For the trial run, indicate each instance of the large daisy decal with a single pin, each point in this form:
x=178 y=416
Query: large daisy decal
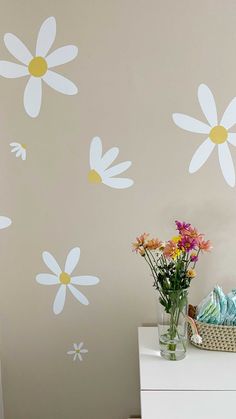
x=217 y=133
x=38 y=66
x=64 y=280
x=100 y=170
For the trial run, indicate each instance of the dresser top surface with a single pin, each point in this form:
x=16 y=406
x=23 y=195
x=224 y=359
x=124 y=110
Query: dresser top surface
x=200 y=370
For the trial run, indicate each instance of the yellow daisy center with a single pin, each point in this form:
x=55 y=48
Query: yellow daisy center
x=23 y=146
x=65 y=278
x=77 y=351
x=94 y=177
x=38 y=67
x=218 y=134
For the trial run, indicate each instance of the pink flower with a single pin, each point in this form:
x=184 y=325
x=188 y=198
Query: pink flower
x=205 y=245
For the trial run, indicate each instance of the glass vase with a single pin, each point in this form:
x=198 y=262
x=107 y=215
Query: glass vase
x=172 y=325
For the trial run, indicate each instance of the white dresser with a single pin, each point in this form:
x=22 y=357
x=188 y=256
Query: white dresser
x=202 y=386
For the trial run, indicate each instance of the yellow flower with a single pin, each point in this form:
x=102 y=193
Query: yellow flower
x=176 y=239
x=176 y=254
x=191 y=273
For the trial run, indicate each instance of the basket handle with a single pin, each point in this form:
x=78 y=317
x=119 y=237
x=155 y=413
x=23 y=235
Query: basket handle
x=195 y=338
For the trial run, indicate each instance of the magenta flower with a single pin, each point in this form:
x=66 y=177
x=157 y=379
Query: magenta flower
x=187 y=243
x=193 y=257
x=182 y=225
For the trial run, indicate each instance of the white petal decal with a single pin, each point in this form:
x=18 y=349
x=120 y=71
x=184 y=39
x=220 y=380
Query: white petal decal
x=109 y=157
x=95 y=152
x=84 y=351
x=85 y=280
x=16 y=47
x=47 y=279
x=60 y=83
x=72 y=260
x=190 y=124
x=59 y=301
x=33 y=97
x=80 y=345
x=4 y=222
x=118 y=183
x=201 y=155
x=23 y=154
x=78 y=295
x=12 y=70
x=46 y=37
x=62 y=55
x=207 y=103
x=229 y=117
x=118 y=168
x=51 y=263
x=226 y=163
x=232 y=138
x=15 y=149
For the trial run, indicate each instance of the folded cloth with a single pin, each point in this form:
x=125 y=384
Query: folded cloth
x=208 y=311
x=223 y=302
x=214 y=307
x=230 y=317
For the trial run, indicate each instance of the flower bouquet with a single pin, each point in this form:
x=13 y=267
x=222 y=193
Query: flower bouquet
x=172 y=265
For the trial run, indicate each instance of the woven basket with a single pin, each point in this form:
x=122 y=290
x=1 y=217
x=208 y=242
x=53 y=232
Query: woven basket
x=214 y=337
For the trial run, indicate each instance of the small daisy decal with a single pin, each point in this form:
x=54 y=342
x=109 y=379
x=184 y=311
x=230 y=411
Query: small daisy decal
x=78 y=351
x=38 y=66
x=19 y=150
x=217 y=133
x=101 y=172
x=64 y=280
x=4 y=222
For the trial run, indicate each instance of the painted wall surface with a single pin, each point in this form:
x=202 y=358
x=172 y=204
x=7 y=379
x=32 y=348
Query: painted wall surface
x=101 y=153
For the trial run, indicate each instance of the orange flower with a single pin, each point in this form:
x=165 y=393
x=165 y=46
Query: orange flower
x=171 y=250
x=153 y=244
x=141 y=242
x=135 y=246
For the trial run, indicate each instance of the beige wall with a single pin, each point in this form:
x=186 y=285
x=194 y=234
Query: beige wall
x=139 y=61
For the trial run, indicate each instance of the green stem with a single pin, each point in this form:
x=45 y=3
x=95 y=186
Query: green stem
x=175 y=313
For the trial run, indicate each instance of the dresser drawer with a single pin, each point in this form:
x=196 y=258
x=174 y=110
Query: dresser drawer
x=188 y=404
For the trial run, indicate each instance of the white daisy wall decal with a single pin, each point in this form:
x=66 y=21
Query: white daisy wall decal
x=19 y=150
x=64 y=280
x=38 y=66
x=101 y=172
x=78 y=351
x=4 y=222
x=217 y=133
